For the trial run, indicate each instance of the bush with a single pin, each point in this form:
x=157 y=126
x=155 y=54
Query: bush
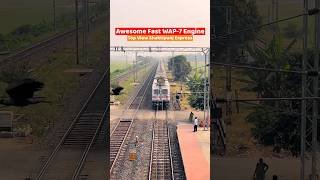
x=196 y=85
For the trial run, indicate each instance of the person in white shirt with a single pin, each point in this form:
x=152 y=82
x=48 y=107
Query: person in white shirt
x=195 y=123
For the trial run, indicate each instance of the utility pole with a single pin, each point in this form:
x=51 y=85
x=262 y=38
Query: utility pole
x=126 y=59
x=172 y=64
x=303 y=93
x=208 y=90
x=273 y=10
x=315 y=94
x=275 y=15
x=309 y=108
x=135 y=67
x=228 y=68
x=77 y=31
x=86 y=29
x=269 y=14
x=205 y=89
x=196 y=62
x=54 y=15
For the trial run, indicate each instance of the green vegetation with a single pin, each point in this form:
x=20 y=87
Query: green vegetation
x=180 y=67
x=117 y=68
x=129 y=86
x=244 y=15
x=23 y=36
x=59 y=84
x=26 y=31
x=274 y=122
x=271 y=123
x=196 y=86
x=15 y=72
x=14 y=13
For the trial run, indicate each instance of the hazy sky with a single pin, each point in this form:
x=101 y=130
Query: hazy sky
x=160 y=13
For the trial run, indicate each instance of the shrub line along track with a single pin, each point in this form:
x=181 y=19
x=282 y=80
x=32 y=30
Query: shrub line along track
x=68 y=158
x=121 y=131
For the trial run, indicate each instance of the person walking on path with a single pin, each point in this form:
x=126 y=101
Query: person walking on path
x=195 y=123
x=260 y=171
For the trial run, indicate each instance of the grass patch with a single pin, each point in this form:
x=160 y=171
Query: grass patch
x=128 y=84
x=118 y=67
x=59 y=85
x=18 y=12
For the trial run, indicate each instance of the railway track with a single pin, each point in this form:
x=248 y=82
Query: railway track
x=50 y=42
x=121 y=131
x=177 y=163
x=128 y=73
x=68 y=157
x=161 y=165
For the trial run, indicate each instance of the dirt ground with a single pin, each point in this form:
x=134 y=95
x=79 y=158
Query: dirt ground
x=243 y=168
x=19 y=158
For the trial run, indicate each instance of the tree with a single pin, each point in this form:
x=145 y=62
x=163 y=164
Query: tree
x=244 y=15
x=275 y=123
x=196 y=86
x=276 y=128
x=181 y=67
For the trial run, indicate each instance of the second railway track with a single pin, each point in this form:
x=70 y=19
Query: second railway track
x=121 y=131
x=66 y=160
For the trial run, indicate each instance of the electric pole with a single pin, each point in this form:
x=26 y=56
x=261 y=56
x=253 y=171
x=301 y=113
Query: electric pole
x=135 y=67
x=315 y=94
x=303 y=93
x=196 y=62
x=275 y=15
x=228 y=68
x=126 y=59
x=54 y=15
x=77 y=31
x=205 y=89
x=86 y=29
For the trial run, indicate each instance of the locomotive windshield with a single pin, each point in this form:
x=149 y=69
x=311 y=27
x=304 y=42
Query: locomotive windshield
x=156 y=91
x=164 y=91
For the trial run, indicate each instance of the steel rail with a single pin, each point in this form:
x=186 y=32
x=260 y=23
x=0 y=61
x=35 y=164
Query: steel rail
x=170 y=152
x=58 y=147
x=37 y=46
x=133 y=116
x=152 y=151
x=86 y=152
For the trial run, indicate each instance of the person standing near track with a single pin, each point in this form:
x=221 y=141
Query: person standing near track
x=260 y=171
x=191 y=116
x=195 y=124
